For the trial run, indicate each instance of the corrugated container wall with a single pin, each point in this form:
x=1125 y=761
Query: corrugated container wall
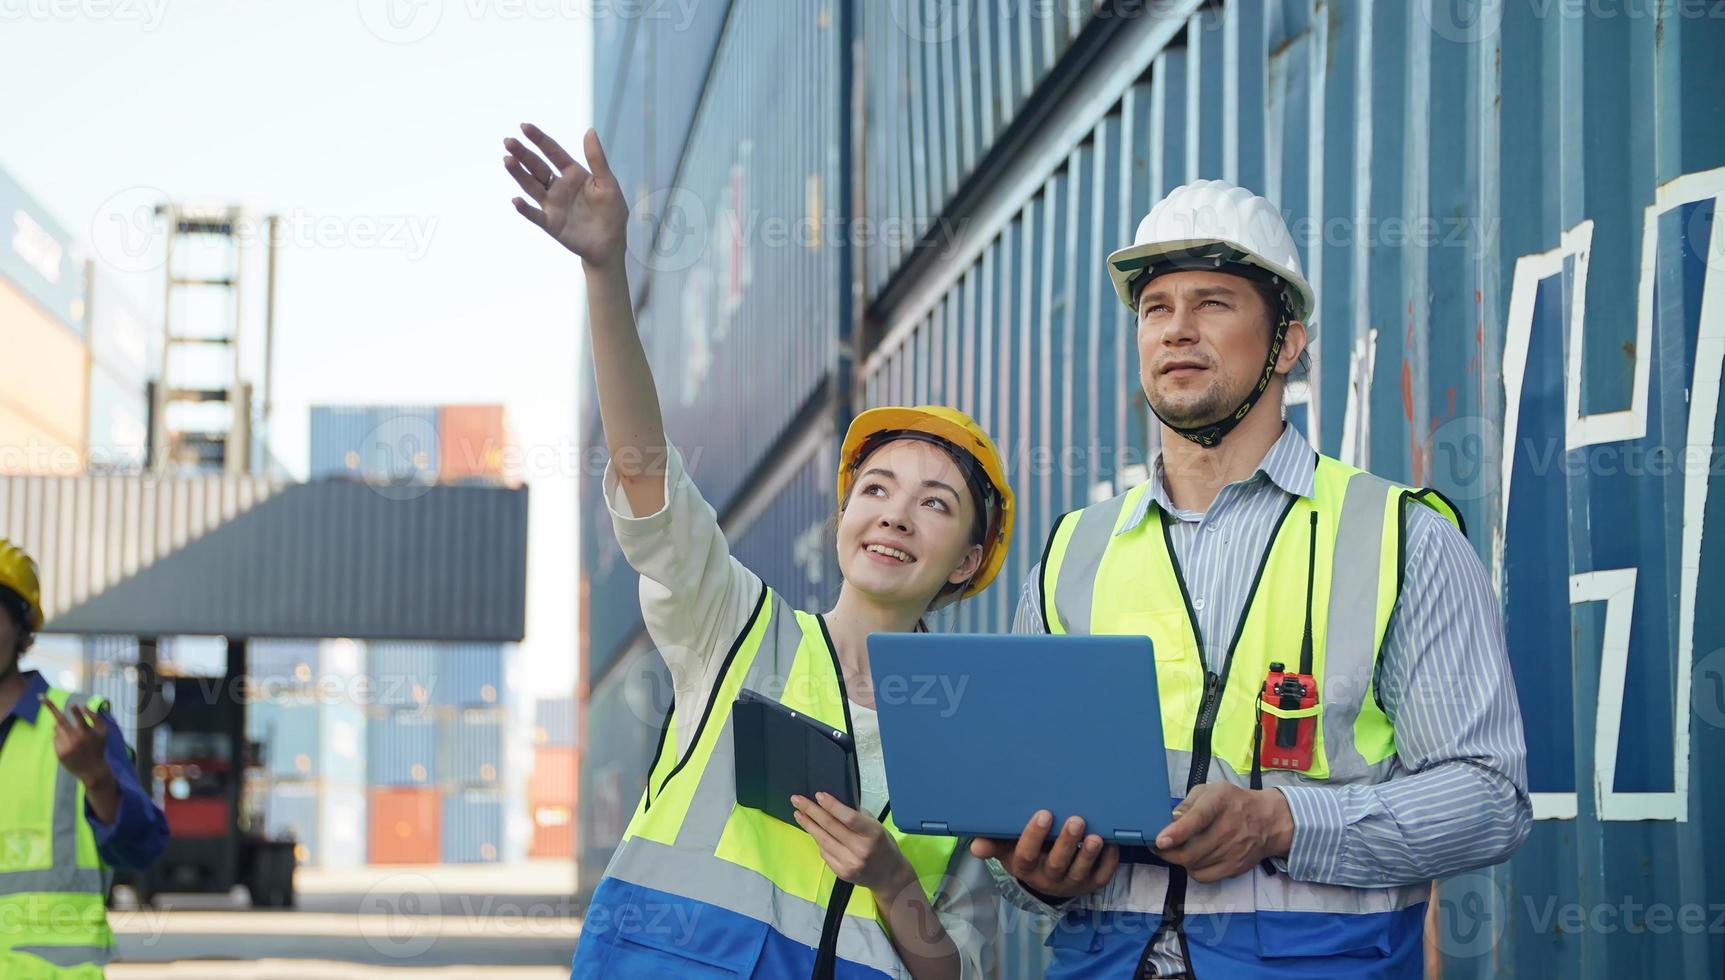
x=44 y=390
x=945 y=82
x=470 y=746
x=554 y=722
x=471 y=674
x=337 y=433
x=553 y=830
x=403 y=673
x=624 y=715
x=112 y=673
x=405 y=825
x=553 y=779
x=326 y=820
x=472 y=826
x=1510 y=221
x=402 y=747
x=746 y=273
x=40 y=258
x=303 y=738
x=790 y=544
x=380 y=443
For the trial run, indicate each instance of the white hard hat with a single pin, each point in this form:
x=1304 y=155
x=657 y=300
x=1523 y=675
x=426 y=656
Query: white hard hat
x=1212 y=224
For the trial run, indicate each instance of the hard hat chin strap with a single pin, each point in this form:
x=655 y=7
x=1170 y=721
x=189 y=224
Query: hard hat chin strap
x=1209 y=435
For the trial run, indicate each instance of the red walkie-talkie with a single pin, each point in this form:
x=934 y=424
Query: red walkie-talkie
x=1287 y=743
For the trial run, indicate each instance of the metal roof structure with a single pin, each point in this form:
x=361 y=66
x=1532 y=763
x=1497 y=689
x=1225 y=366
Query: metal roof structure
x=244 y=556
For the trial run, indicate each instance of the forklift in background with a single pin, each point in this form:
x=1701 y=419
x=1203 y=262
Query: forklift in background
x=216 y=831
x=200 y=408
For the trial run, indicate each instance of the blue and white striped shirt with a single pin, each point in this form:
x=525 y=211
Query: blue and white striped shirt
x=1457 y=795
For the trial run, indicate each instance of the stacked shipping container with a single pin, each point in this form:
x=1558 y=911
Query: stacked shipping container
x=409 y=444
x=1500 y=240
x=438 y=740
x=45 y=375
x=551 y=786
x=437 y=713
x=305 y=710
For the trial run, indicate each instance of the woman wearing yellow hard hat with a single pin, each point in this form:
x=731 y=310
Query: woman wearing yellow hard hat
x=700 y=885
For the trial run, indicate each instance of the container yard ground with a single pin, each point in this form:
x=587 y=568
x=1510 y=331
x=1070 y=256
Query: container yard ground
x=514 y=920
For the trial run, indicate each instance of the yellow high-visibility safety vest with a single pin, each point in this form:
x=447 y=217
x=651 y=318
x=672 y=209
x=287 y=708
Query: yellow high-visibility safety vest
x=53 y=883
x=690 y=839
x=1342 y=546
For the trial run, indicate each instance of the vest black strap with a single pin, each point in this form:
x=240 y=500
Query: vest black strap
x=826 y=957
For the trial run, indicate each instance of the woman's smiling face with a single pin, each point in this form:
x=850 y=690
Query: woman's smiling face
x=907 y=530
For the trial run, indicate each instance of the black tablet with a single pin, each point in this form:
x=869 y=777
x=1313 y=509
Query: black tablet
x=781 y=752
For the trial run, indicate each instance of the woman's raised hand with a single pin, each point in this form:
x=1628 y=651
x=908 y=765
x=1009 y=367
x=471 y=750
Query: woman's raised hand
x=582 y=209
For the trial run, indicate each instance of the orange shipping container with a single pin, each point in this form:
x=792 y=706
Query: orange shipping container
x=471 y=442
x=553 y=832
x=406 y=825
x=553 y=780
x=44 y=391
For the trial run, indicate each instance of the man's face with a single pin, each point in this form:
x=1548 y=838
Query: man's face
x=1202 y=340
x=9 y=633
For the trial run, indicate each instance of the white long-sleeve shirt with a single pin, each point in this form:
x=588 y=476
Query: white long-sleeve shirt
x=695 y=599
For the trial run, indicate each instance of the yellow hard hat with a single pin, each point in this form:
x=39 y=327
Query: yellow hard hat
x=962 y=431
x=18 y=573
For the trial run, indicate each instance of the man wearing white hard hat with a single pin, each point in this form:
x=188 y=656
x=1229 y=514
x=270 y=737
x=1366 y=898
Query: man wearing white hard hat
x=1340 y=722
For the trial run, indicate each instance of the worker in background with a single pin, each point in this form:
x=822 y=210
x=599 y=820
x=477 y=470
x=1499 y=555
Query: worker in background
x=71 y=807
x=701 y=886
x=1337 y=705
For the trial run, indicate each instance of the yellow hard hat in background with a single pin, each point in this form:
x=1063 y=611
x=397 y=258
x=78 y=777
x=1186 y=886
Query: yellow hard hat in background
x=962 y=431
x=18 y=573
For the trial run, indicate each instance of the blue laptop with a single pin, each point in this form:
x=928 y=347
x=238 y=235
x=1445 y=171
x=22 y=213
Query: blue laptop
x=981 y=731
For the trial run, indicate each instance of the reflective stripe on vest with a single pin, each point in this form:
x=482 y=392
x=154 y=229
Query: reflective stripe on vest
x=53 y=882
x=1097 y=578
x=689 y=837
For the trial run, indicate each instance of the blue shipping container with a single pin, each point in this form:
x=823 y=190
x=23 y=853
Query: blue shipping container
x=288 y=735
x=471 y=674
x=291 y=810
x=337 y=432
x=303 y=738
x=473 y=826
x=1509 y=216
x=749 y=255
x=470 y=747
x=273 y=664
x=326 y=819
x=554 y=722
x=791 y=544
x=625 y=714
x=402 y=748
x=393 y=444
x=404 y=673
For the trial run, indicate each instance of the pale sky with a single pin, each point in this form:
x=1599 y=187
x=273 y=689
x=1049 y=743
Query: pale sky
x=375 y=127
